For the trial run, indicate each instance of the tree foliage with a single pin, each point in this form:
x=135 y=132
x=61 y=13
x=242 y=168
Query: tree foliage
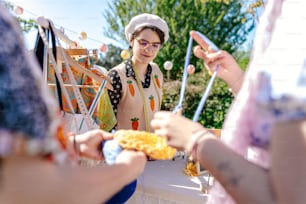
x=217 y=103
x=224 y=22
x=26 y=24
x=110 y=58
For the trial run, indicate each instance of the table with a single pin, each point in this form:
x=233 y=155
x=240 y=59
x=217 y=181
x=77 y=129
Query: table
x=164 y=182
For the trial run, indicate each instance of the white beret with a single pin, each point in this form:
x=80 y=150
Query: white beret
x=143 y=20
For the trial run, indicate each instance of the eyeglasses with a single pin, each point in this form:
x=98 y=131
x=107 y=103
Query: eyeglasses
x=145 y=44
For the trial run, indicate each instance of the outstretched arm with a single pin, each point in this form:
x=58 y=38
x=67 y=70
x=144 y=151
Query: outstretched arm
x=288 y=164
x=37 y=181
x=243 y=180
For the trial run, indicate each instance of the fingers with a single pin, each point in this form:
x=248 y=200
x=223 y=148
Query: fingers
x=207 y=56
x=90 y=143
x=101 y=134
x=160 y=122
x=106 y=135
x=212 y=65
x=159 y=118
x=162 y=114
x=205 y=44
x=163 y=132
x=134 y=160
x=199 y=40
x=199 y=52
x=166 y=124
x=139 y=154
x=203 y=50
x=130 y=156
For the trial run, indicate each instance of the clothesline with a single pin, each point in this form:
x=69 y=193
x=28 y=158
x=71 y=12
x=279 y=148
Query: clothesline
x=64 y=29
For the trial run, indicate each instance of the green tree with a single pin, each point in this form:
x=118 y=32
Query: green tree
x=110 y=58
x=224 y=22
x=26 y=24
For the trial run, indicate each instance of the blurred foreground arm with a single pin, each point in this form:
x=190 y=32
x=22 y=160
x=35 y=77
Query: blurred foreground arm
x=242 y=179
x=288 y=164
x=53 y=184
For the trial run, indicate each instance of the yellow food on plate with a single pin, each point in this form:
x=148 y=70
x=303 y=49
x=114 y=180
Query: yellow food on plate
x=151 y=144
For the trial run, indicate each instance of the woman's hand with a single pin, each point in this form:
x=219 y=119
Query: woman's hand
x=135 y=162
x=229 y=70
x=177 y=129
x=89 y=144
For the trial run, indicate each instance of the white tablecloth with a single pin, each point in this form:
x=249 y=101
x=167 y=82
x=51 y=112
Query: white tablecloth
x=165 y=182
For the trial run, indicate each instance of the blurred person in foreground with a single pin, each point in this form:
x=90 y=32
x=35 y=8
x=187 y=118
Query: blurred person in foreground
x=38 y=160
x=261 y=155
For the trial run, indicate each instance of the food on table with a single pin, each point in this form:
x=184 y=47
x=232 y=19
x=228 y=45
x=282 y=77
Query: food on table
x=151 y=144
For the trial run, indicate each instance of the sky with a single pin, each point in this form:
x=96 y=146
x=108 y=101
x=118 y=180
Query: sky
x=74 y=16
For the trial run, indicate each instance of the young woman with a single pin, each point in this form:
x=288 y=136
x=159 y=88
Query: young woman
x=138 y=81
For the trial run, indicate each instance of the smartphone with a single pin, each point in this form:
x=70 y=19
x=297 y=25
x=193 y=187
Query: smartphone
x=208 y=41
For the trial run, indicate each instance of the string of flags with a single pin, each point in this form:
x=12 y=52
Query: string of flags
x=125 y=54
x=18 y=10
